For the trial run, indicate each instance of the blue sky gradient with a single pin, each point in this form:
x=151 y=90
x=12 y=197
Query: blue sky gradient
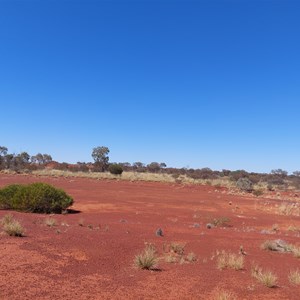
x=189 y=83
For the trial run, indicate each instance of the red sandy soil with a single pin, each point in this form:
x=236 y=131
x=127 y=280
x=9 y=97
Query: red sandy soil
x=95 y=261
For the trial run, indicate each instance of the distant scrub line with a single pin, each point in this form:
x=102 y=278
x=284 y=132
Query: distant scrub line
x=102 y=168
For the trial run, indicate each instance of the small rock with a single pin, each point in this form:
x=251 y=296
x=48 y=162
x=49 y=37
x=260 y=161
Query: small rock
x=159 y=232
x=196 y=225
x=209 y=226
x=265 y=231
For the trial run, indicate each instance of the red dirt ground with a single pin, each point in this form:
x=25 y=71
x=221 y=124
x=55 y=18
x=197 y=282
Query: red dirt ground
x=95 y=261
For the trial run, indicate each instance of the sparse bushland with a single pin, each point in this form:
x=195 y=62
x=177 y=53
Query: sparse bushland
x=228 y=260
x=146 y=260
x=35 y=197
x=294 y=277
x=155 y=171
x=11 y=226
x=267 y=278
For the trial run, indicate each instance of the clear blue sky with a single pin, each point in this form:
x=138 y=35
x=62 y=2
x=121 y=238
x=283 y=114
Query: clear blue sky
x=189 y=83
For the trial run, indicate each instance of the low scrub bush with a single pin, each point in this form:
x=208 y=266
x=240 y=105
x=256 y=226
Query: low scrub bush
x=245 y=184
x=35 y=197
x=115 y=169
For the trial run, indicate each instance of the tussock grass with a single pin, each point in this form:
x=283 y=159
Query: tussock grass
x=294 y=277
x=50 y=222
x=289 y=209
x=171 y=259
x=177 y=248
x=267 y=278
x=6 y=219
x=224 y=295
x=11 y=226
x=146 y=260
x=296 y=251
x=228 y=260
x=191 y=257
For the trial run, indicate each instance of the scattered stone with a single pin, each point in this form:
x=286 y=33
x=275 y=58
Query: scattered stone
x=209 y=226
x=123 y=221
x=196 y=225
x=159 y=232
x=265 y=231
x=242 y=251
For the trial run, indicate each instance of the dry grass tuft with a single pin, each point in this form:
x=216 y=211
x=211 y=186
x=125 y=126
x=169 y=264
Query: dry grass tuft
x=6 y=219
x=296 y=251
x=177 y=248
x=191 y=257
x=11 y=226
x=171 y=259
x=224 y=295
x=50 y=222
x=268 y=278
x=228 y=260
x=288 y=209
x=294 y=277
x=146 y=260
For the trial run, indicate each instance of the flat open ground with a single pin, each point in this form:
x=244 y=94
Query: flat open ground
x=95 y=261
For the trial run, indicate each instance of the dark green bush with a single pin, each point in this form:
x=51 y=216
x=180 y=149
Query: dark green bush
x=35 y=197
x=7 y=194
x=115 y=169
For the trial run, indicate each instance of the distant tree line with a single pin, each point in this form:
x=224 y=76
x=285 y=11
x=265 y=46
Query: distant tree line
x=23 y=161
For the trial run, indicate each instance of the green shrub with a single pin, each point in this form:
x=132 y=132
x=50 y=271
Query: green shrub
x=35 y=197
x=115 y=169
x=6 y=195
x=257 y=193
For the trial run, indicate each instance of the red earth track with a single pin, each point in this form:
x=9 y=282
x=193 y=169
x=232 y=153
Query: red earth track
x=95 y=261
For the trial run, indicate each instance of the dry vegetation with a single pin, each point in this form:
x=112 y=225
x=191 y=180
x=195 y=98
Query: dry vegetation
x=146 y=260
x=229 y=260
x=221 y=294
x=11 y=226
x=50 y=222
x=294 y=277
x=266 y=277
